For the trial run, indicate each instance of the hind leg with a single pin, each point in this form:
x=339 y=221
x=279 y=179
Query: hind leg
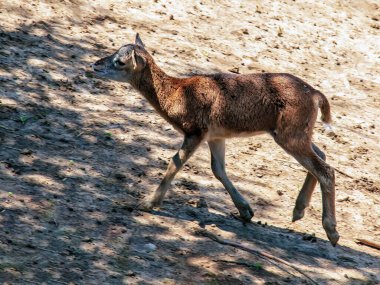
x=301 y=149
x=325 y=175
x=304 y=196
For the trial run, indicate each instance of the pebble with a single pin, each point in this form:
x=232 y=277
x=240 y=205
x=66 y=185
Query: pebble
x=150 y=247
x=234 y=70
x=130 y=273
x=347 y=198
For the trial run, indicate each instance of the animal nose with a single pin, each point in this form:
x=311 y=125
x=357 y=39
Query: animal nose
x=95 y=66
x=99 y=64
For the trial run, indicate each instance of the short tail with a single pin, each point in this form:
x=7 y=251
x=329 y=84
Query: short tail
x=325 y=108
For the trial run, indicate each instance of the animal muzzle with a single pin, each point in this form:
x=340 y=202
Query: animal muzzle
x=100 y=65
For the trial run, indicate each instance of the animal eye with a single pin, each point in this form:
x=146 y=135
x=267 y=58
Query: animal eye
x=119 y=62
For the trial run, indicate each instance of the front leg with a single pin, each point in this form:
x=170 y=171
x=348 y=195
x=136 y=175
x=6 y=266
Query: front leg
x=190 y=144
x=217 y=148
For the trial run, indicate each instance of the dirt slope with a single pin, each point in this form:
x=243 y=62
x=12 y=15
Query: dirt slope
x=77 y=154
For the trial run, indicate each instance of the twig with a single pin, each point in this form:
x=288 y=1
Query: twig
x=34 y=282
x=302 y=169
x=5 y=128
x=10 y=147
x=272 y=259
x=343 y=173
x=368 y=243
x=28 y=281
x=249 y=265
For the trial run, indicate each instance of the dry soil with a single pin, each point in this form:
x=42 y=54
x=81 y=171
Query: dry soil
x=77 y=154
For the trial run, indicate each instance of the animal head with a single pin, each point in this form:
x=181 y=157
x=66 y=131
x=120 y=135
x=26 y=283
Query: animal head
x=123 y=64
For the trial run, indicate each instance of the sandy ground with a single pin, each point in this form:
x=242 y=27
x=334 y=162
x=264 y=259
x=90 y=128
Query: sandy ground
x=77 y=154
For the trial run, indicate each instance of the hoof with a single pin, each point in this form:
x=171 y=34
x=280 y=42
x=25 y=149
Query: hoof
x=246 y=213
x=298 y=214
x=333 y=237
x=330 y=227
x=148 y=205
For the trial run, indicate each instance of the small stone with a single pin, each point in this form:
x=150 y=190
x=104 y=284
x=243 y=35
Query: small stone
x=87 y=239
x=27 y=152
x=201 y=203
x=150 y=247
x=245 y=31
x=130 y=273
x=120 y=176
x=309 y=237
x=234 y=70
x=347 y=198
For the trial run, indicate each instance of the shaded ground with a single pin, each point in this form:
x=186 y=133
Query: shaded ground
x=77 y=154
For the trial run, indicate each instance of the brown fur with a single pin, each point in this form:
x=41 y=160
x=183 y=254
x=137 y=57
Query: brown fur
x=219 y=106
x=263 y=102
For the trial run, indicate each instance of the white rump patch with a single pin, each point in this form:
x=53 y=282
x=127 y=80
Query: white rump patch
x=329 y=129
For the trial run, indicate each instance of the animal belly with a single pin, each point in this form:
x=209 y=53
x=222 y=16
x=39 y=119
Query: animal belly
x=222 y=133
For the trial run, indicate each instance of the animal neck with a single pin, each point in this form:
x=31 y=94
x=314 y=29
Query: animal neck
x=155 y=85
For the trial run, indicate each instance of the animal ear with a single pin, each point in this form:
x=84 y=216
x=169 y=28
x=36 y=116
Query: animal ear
x=137 y=61
x=138 y=41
